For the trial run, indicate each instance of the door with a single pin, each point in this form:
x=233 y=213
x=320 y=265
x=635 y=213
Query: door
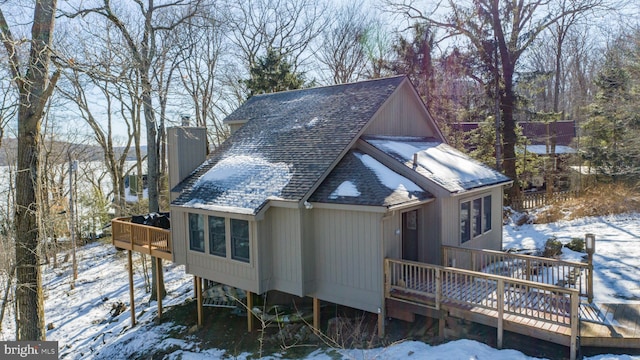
x=410 y=235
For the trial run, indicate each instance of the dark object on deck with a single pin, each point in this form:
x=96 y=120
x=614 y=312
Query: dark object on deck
x=160 y=220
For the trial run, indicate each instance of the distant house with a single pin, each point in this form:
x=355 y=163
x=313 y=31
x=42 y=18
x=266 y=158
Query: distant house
x=316 y=187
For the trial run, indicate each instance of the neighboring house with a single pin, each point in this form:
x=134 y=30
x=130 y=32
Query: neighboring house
x=316 y=187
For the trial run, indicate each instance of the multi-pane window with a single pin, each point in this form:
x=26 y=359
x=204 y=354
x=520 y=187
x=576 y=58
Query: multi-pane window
x=240 y=240
x=221 y=234
x=475 y=218
x=196 y=232
x=217 y=236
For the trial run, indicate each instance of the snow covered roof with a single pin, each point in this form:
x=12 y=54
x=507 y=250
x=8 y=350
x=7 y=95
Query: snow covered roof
x=438 y=162
x=542 y=149
x=288 y=143
x=359 y=179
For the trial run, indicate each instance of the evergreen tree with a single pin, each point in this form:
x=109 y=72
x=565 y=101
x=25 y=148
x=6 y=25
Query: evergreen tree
x=611 y=132
x=273 y=73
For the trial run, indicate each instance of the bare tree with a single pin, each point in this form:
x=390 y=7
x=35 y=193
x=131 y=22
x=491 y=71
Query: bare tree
x=500 y=31
x=34 y=85
x=342 y=49
x=140 y=36
x=201 y=58
x=287 y=26
x=99 y=73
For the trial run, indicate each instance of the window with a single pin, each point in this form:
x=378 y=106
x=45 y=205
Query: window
x=487 y=213
x=475 y=218
x=465 y=222
x=240 y=240
x=217 y=236
x=196 y=232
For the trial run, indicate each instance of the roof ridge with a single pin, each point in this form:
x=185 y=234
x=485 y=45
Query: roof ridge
x=357 y=82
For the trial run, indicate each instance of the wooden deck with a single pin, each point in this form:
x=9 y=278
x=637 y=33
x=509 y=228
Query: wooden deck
x=141 y=238
x=548 y=312
x=610 y=325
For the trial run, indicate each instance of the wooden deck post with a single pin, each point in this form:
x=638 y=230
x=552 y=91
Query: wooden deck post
x=131 y=295
x=159 y=282
x=575 y=324
x=249 y=311
x=195 y=286
x=381 y=316
x=500 y=294
x=198 y=288
x=316 y=313
x=590 y=280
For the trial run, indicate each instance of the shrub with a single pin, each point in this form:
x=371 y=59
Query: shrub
x=552 y=248
x=576 y=244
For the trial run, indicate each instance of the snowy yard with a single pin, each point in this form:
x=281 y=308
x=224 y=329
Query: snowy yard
x=84 y=328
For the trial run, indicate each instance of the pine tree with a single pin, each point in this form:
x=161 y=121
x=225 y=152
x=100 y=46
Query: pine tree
x=273 y=73
x=611 y=132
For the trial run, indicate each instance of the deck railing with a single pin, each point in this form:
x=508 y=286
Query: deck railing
x=539 y=199
x=567 y=274
x=435 y=286
x=142 y=238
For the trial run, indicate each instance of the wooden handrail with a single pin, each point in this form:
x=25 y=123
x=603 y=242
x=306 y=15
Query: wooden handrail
x=433 y=286
x=140 y=235
x=569 y=274
x=551 y=303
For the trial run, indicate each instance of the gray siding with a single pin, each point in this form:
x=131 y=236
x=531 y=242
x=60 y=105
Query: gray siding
x=223 y=270
x=402 y=115
x=187 y=149
x=349 y=262
x=282 y=250
x=178 y=235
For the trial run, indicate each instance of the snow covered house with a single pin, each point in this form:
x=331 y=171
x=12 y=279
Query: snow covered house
x=315 y=188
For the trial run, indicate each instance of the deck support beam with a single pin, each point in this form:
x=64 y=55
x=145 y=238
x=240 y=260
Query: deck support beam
x=249 y=311
x=316 y=313
x=159 y=282
x=381 y=316
x=131 y=295
x=197 y=281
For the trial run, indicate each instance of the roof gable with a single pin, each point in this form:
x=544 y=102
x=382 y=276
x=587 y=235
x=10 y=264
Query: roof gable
x=359 y=179
x=289 y=142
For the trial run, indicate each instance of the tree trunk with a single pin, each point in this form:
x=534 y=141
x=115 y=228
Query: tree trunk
x=34 y=90
x=509 y=139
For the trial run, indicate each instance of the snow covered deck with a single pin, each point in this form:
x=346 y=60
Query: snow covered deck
x=141 y=238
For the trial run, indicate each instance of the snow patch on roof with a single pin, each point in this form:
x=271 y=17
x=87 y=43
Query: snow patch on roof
x=347 y=189
x=441 y=163
x=388 y=177
x=252 y=176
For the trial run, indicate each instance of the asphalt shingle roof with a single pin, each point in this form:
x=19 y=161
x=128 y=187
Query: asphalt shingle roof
x=366 y=185
x=289 y=141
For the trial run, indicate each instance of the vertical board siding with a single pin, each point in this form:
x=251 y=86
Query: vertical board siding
x=178 y=236
x=285 y=250
x=187 y=149
x=349 y=261
x=402 y=114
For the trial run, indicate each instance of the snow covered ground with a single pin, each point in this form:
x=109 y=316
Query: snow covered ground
x=84 y=328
